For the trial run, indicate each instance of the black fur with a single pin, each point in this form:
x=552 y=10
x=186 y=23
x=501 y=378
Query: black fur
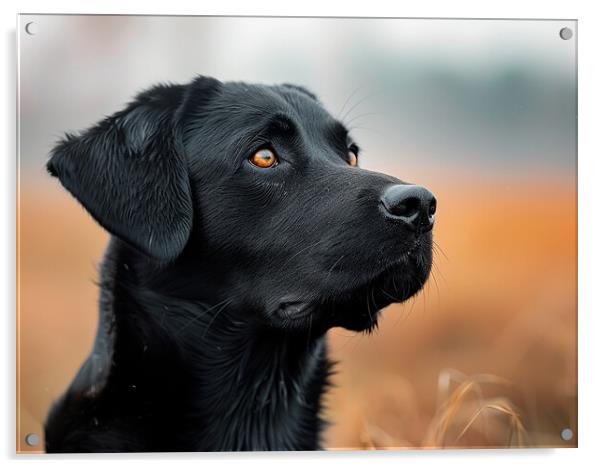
x=222 y=278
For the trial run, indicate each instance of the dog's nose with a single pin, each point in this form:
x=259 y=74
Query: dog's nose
x=412 y=204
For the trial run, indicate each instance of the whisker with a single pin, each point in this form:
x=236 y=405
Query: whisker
x=353 y=93
x=198 y=316
x=332 y=267
x=434 y=277
x=370 y=129
x=214 y=317
x=439 y=272
x=399 y=301
x=361 y=101
x=301 y=251
x=366 y=114
x=439 y=249
x=368 y=304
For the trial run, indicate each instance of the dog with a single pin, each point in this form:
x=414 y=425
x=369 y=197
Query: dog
x=242 y=230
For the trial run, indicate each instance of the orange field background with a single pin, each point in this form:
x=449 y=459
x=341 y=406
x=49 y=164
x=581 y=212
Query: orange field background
x=485 y=356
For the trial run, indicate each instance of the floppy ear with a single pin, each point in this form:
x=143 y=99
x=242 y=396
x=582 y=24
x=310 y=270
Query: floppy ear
x=130 y=173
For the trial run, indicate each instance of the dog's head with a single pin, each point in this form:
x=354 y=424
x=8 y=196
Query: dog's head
x=253 y=194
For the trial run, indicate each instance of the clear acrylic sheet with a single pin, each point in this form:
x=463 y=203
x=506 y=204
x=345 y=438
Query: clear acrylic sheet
x=482 y=112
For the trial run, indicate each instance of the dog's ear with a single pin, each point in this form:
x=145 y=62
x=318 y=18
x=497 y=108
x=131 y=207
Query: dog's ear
x=131 y=174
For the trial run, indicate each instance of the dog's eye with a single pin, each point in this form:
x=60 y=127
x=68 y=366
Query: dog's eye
x=264 y=158
x=353 y=150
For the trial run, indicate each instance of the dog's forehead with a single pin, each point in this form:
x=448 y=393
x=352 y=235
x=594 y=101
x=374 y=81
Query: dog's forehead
x=256 y=102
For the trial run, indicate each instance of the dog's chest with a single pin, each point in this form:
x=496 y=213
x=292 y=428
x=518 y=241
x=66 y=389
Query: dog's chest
x=273 y=404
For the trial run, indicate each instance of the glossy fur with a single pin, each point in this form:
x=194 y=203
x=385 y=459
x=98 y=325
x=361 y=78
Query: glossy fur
x=222 y=278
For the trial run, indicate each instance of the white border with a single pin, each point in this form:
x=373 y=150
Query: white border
x=590 y=237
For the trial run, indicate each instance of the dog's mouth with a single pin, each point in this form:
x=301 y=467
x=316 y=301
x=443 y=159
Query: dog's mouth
x=293 y=314
x=357 y=307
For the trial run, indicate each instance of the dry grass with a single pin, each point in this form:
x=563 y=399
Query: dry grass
x=463 y=406
x=465 y=418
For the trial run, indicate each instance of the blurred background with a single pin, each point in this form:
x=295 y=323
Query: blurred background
x=482 y=112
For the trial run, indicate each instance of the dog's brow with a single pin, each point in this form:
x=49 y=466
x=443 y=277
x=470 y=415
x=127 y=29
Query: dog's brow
x=281 y=123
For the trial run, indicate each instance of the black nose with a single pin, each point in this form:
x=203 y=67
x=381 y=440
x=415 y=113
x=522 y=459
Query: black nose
x=411 y=204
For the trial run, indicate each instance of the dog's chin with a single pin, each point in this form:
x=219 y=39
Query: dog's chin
x=358 y=308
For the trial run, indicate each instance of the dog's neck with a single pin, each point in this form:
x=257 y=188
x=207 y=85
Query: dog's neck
x=219 y=374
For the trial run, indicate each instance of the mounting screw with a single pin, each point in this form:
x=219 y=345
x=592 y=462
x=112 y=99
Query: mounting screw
x=566 y=434
x=566 y=33
x=30 y=28
x=32 y=439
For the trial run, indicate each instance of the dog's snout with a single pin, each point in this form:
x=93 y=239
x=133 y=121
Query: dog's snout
x=412 y=204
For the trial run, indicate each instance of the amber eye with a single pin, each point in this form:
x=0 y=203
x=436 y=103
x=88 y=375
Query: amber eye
x=264 y=158
x=352 y=158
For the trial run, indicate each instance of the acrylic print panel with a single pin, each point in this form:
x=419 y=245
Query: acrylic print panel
x=225 y=262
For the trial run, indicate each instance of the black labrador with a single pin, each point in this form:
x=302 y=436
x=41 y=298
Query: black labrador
x=242 y=230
